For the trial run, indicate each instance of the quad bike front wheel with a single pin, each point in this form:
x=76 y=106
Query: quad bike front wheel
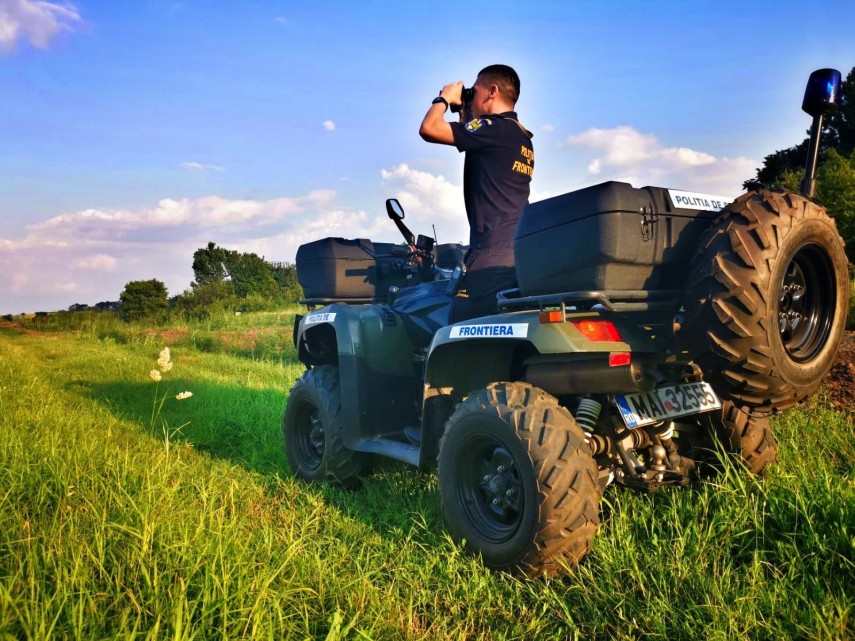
x=517 y=481
x=314 y=441
x=767 y=299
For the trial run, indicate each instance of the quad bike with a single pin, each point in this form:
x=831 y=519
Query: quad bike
x=646 y=329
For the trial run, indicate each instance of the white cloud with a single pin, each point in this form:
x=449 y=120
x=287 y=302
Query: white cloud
x=429 y=200
x=88 y=256
x=67 y=287
x=100 y=262
x=548 y=128
x=36 y=271
x=210 y=213
x=329 y=125
x=36 y=21
x=625 y=154
x=425 y=192
x=197 y=166
x=281 y=20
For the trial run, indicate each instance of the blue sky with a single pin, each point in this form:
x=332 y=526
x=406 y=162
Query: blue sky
x=132 y=134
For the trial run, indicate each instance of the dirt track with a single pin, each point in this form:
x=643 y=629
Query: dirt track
x=841 y=379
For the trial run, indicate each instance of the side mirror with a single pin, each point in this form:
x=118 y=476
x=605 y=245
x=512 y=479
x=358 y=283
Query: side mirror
x=394 y=209
x=396 y=213
x=822 y=95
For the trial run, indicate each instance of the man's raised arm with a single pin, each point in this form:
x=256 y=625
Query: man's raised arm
x=434 y=126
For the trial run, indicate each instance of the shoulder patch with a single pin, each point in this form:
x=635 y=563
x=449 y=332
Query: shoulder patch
x=476 y=123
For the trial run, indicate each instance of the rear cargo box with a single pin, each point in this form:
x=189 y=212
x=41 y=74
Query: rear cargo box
x=607 y=237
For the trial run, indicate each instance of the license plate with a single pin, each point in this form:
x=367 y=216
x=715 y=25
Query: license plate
x=666 y=402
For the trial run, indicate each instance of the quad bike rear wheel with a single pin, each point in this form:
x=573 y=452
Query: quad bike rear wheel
x=313 y=431
x=767 y=298
x=517 y=480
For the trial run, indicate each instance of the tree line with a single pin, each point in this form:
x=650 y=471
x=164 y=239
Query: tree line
x=224 y=280
x=835 y=188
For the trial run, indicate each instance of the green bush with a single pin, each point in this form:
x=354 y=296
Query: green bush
x=258 y=303
x=206 y=300
x=836 y=191
x=206 y=342
x=144 y=299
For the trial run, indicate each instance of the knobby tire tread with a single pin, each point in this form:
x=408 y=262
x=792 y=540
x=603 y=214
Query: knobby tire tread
x=747 y=436
x=566 y=474
x=341 y=466
x=727 y=326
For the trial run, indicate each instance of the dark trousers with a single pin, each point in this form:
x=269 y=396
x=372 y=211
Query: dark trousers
x=477 y=289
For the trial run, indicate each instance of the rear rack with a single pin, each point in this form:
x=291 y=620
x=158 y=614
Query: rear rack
x=629 y=300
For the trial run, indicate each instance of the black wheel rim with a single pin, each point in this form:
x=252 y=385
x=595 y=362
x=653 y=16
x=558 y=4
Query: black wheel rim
x=309 y=436
x=806 y=304
x=490 y=488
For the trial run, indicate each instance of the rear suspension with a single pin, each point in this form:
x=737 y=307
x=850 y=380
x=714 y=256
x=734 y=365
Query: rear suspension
x=645 y=458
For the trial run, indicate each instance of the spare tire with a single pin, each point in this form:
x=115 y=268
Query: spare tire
x=767 y=297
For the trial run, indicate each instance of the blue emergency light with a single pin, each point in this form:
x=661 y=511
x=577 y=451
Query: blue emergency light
x=822 y=92
x=821 y=98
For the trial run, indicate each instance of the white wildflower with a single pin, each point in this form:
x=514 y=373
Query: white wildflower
x=165 y=360
x=182 y=395
x=155 y=375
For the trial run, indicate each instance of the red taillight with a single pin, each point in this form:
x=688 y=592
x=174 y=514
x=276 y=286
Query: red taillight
x=598 y=330
x=616 y=359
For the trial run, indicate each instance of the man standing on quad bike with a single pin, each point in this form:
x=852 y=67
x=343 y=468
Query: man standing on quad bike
x=496 y=179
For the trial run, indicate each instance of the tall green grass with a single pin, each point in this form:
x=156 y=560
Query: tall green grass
x=188 y=525
x=260 y=335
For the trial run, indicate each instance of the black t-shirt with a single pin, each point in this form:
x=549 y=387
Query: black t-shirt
x=496 y=179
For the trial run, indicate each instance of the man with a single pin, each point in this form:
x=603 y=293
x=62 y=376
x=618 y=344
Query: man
x=496 y=180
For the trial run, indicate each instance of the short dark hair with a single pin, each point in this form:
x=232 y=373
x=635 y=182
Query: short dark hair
x=506 y=78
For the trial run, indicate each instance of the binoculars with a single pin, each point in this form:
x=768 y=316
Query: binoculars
x=466 y=96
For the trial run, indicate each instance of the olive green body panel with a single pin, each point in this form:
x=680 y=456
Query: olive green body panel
x=370 y=332
x=380 y=382
x=517 y=346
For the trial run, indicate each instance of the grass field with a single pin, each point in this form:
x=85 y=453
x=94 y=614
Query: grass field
x=126 y=513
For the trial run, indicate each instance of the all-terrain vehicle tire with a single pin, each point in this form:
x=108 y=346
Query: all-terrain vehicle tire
x=517 y=480
x=746 y=436
x=314 y=441
x=767 y=297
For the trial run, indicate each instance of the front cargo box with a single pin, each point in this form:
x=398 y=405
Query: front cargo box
x=351 y=271
x=606 y=237
x=338 y=269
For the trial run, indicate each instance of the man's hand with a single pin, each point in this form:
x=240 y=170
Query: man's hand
x=453 y=93
x=434 y=126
